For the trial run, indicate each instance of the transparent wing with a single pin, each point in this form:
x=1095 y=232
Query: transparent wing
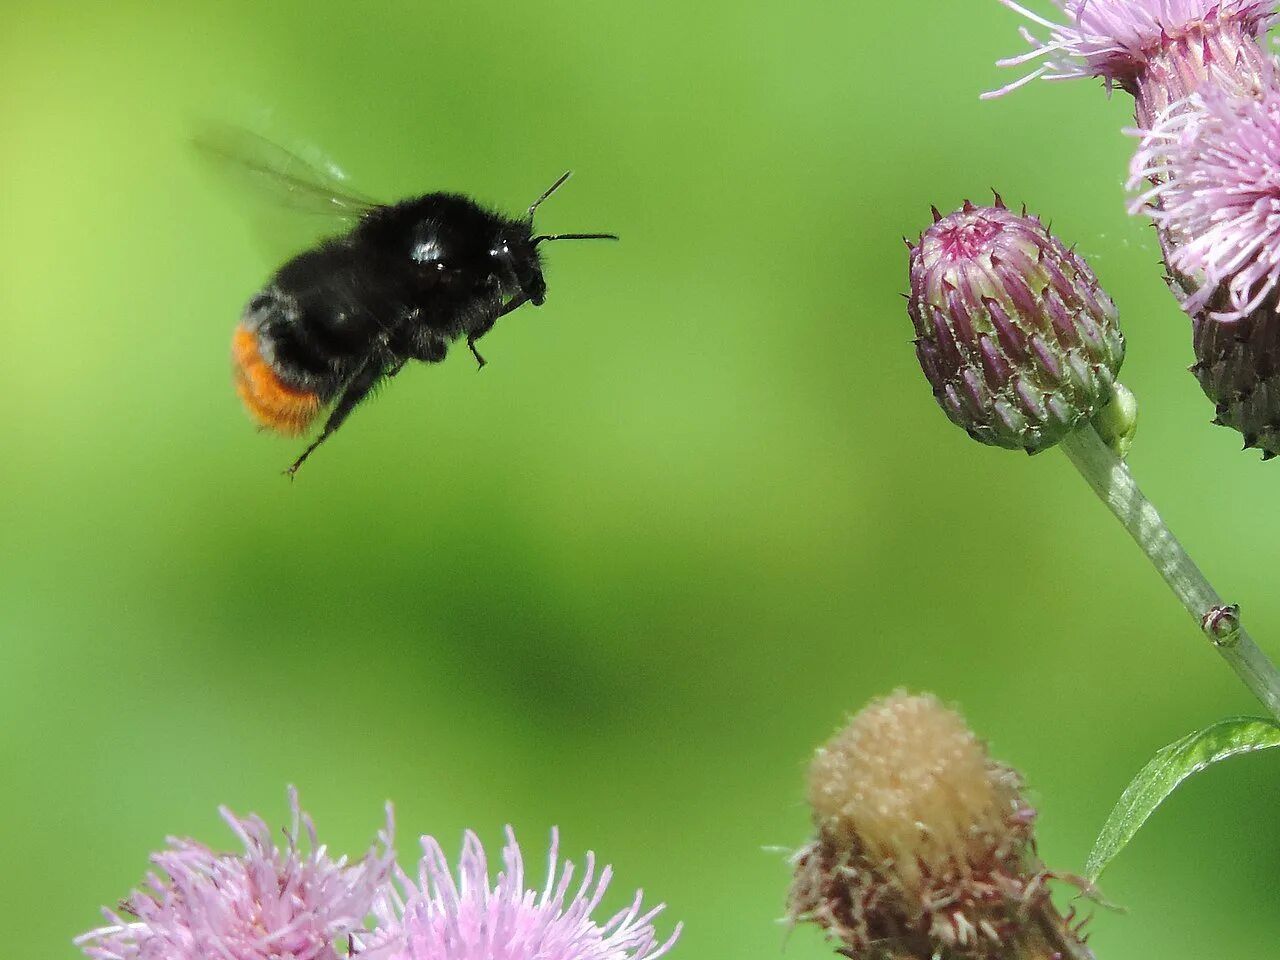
x=292 y=203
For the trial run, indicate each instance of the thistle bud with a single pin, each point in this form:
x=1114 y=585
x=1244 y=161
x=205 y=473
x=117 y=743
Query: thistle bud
x=1019 y=342
x=924 y=845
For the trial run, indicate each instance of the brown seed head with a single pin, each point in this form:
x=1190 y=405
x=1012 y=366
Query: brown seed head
x=910 y=782
x=924 y=844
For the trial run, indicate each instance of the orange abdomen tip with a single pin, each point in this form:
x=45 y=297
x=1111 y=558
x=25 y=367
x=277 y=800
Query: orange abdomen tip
x=270 y=401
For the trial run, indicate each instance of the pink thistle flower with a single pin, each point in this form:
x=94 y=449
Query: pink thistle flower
x=1158 y=50
x=1209 y=176
x=267 y=902
x=474 y=919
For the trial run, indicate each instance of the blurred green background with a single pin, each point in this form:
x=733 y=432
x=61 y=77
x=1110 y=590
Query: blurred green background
x=695 y=509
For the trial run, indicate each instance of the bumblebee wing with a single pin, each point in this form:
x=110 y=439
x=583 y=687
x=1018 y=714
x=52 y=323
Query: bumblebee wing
x=280 y=175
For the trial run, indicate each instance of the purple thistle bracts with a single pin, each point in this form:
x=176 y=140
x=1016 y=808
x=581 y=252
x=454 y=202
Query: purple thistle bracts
x=473 y=918
x=266 y=903
x=1019 y=342
x=1158 y=50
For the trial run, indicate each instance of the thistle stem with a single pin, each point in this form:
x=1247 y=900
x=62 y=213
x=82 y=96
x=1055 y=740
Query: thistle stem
x=1110 y=479
x=1051 y=938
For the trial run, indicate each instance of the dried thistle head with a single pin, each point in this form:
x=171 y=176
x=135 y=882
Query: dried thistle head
x=924 y=844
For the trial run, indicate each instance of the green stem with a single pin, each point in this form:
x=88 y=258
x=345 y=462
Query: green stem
x=1110 y=479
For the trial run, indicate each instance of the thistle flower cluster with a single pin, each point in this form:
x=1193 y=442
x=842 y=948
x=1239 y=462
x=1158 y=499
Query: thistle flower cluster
x=924 y=845
x=272 y=903
x=1206 y=171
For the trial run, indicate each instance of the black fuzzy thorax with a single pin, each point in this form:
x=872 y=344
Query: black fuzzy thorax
x=409 y=279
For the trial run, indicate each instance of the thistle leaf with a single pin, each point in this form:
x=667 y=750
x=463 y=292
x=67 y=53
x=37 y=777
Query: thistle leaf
x=1166 y=770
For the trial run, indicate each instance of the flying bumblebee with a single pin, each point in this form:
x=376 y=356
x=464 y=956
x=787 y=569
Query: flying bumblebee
x=403 y=282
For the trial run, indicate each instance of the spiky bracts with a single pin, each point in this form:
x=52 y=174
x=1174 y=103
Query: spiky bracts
x=1238 y=367
x=1013 y=332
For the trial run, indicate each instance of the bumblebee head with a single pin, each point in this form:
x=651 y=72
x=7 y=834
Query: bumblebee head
x=460 y=249
x=516 y=263
x=531 y=282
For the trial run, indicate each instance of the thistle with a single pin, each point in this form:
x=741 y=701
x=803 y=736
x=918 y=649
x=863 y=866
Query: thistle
x=267 y=903
x=1160 y=51
x=1206 y=171
x=1209 y=177
x=924 y=845
x=271 y=903
x=1021 y=347
x=1013 y=332
x=478 y=918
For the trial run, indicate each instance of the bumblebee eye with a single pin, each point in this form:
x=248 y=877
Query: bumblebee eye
x=501 y=252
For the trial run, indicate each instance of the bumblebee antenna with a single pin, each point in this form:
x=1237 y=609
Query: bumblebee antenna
x=575 y=236
x=549 y=191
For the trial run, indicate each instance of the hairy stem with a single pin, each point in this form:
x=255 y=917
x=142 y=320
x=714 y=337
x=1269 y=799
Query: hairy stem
x=1050 y=937
x=1110 y=479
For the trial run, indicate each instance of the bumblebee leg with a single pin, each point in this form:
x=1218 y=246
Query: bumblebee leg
x=471 y=345
x=483 y=327
x=475 y=335
x=512 y=304
x=357 y=389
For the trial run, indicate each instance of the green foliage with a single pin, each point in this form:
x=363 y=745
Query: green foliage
x=696 y=508
x=1167 y=770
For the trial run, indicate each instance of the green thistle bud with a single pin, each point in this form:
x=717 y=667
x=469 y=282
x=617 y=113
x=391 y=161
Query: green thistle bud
x=1117 y=422
x=1019 y=342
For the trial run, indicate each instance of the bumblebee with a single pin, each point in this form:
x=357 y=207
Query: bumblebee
x=403 y=282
